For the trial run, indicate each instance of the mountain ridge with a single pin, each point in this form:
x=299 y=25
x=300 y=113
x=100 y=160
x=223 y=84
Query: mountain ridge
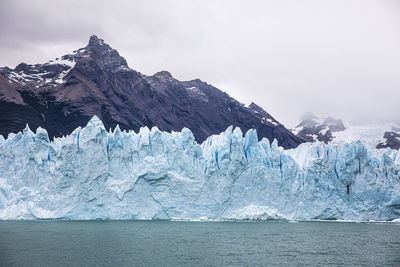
x=65 y=93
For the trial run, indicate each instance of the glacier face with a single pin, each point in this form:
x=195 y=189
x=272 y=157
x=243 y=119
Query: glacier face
x=93 y=174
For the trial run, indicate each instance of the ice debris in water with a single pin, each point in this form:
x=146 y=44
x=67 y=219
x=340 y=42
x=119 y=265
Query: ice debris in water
x=94 y=174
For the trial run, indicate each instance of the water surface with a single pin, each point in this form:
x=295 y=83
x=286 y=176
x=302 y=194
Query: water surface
x=166 y=243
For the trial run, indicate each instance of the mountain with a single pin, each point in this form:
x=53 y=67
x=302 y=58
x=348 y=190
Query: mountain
x=312 y=128
x=391 y=139
x=373 y=134
x=65 y=93
x=97 y=174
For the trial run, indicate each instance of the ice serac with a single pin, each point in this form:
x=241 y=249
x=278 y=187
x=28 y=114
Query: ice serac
x=98 y=174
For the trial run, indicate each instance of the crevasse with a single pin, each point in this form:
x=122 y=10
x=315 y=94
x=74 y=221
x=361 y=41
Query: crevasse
x=95 y=174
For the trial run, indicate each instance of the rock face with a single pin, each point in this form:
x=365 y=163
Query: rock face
x=65 y=93
x=312 y=128
x=94 y=174
x=391 y=139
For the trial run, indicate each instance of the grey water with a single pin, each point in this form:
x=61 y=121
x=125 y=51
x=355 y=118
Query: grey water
x=168 y=243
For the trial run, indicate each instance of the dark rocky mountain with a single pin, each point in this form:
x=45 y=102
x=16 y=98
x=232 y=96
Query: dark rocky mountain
x=391 y=139
x=312 y=128
x=63 y=94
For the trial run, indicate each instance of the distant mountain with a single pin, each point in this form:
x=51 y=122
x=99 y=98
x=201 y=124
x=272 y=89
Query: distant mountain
x=65 y=93
x=372 y=134
x=312 y=128
x=391 y=139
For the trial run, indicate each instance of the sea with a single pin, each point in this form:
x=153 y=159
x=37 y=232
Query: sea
x=188 y=243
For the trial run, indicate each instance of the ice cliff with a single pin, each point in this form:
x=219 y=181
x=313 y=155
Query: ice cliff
x=93 y=174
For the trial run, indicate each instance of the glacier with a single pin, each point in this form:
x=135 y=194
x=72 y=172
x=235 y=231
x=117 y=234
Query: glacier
x=98 y=174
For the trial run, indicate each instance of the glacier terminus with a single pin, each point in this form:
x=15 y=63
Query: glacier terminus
x=98 y=174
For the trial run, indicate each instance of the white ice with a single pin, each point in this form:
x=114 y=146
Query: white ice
x=95 y=174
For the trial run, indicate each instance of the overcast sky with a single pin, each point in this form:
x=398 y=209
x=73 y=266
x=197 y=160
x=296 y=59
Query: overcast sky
x=339 y=58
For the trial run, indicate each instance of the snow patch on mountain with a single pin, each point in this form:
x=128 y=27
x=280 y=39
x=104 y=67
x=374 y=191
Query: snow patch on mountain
x=53 y=72
x=313 y=129
x=50 y=73
x=195 y=92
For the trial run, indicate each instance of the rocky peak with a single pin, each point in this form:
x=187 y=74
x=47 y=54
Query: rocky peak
x=256 y=108
x=96 y=55
x=335 y=125
x=22 y=67
x=395 y=129
x=312 y=128
x=309 y=120
x=163 y=75
x=391 y=139
x=161 y=80
x=100 y=53
x=96 y=41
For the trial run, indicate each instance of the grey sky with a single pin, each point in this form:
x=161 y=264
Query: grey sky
x=339 y=58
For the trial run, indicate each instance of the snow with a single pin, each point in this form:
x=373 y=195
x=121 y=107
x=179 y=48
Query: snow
x=324 y=131
x=197 y=93
x=59 y=79
x=296 y=130
x=45 y=75
x=369 y=134
x=271 y=121
x=20 y=77
x=124 y=68
x=63 y=61
x=38 y=77
x=95 y=174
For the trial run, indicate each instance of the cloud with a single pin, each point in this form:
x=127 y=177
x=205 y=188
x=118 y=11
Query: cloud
x=338 y=58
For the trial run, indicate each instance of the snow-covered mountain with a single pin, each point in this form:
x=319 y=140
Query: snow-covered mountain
x=65 y=93
x=372 y=134
x=151 y=174
x=391 y=139
x=312 y=128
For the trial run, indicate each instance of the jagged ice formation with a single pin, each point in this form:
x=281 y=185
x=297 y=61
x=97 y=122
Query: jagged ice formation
x=93 y=174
